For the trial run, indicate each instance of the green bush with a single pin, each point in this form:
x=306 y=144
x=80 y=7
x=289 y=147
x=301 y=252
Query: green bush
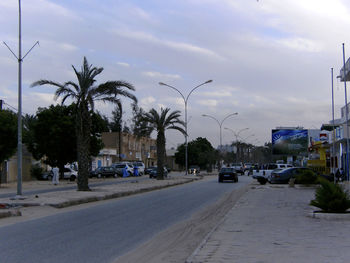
x=35 y=171
x=331 y=198
x=307 y=177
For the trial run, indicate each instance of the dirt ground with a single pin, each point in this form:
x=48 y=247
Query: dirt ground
x=178 y=242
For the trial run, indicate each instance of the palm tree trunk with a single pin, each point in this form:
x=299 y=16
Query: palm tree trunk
x=160 y=155
x=83 y=148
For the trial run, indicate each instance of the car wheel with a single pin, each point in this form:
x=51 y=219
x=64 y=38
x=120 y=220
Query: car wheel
x=220 y=180
x=262 y=180
x=115 y=175
x=72 y=178
x=99 y=176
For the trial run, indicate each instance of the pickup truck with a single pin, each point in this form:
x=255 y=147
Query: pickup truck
x=262 y=175
x=238 y=167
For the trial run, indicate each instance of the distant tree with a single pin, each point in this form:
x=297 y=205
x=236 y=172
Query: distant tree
x=160 y=122
x=139 y=127
x=200 y=152
x=116 y=124
x=8 y=134
x=85 y=93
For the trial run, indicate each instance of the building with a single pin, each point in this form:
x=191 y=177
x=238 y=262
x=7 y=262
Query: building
x=9 y=168
x=125 y=147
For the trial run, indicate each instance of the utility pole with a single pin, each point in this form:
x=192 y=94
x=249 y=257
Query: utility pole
x=19 y=114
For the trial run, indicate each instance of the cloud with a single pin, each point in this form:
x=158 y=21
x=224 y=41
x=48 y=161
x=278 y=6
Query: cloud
x=68 y=47
x=179 y=46
x=158 y=75
x=147 y=103
x=300 y=44
x=123 y=64
x=208 y=103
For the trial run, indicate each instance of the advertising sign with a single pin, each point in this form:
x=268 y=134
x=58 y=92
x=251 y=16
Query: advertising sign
x=289 y=142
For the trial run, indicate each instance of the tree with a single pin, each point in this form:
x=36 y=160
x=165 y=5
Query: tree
x=139 y=126
x=85 y=93
x=200 y=152
x=8 y=134
x=53 y=136
x=160 y=122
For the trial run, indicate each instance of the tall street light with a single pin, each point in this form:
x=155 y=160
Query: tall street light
x=236 y=134
x=220 y=123
x=185 y=101
x=20 y=59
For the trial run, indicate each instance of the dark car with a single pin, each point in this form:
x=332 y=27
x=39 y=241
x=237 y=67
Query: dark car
x=104 y=171
x=45 y=176
x=194 y=169
x=149 y=169
x=153 y=172
x=284 y=175
x=228 y=173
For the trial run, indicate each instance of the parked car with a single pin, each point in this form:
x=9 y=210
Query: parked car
x=140 y=166
x=283 y=176
x=104 y=171
x=154 y=171
x=194 y=168
x=266 y=170
x=45 y=176
x=149 y=169
x=238 y=167
x=228 y=173
x=119 y=167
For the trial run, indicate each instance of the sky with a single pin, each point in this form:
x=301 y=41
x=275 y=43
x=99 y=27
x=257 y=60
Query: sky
x=270 y=60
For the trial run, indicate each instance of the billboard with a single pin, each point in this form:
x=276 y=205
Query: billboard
x=289 y=141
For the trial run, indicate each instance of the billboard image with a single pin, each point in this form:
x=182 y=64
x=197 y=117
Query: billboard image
x=289 y=142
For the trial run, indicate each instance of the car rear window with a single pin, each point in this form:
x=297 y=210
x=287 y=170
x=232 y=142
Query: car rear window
x=227 y=170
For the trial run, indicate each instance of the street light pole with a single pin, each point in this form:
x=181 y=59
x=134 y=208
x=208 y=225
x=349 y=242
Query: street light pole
x=19 y=113
x=185 y=101
x=236 y=134
x=220 y=123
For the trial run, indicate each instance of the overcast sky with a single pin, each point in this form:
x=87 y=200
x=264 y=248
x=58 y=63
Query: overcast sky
x=270 y=60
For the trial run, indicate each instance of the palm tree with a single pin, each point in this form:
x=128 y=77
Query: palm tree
x=84 y=93
x=161 y=122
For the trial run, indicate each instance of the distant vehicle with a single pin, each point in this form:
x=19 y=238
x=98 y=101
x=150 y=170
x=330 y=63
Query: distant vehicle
x=267 y=169
x=45 y=176
x=228 y=173
x=104 y=171
x=247 y=166
x=283 y=176
x=154 y=171
x=238 y=167
x=149 y=169
x=140 y=166
x=194 y=168
x=119 y=167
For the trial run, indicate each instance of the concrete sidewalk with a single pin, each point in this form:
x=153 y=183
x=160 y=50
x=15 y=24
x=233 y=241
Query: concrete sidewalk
x=65 y=198
x=272 y=223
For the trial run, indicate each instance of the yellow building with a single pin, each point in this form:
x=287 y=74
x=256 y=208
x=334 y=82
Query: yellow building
x=126 y=147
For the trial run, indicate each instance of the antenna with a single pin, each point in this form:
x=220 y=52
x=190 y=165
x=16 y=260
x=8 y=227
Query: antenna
x=19 y=142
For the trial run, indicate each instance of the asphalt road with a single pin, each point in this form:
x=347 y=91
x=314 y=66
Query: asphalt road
x=104 y=232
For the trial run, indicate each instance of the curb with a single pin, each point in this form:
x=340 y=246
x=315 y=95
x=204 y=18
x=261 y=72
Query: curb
x=116 y=195
x=12 y=209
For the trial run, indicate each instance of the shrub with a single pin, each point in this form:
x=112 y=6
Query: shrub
x=35 y=171
x=307 y=177
x=331 y=198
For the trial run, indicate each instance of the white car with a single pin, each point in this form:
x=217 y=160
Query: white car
x=140 y=166
x=70 y=174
